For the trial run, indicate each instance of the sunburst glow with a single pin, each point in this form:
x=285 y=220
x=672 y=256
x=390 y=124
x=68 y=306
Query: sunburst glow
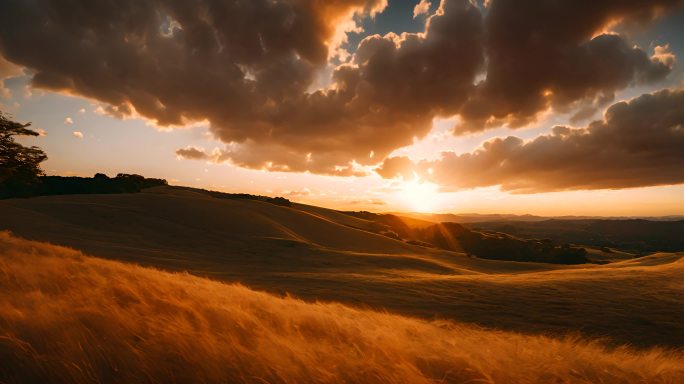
x=420 y=196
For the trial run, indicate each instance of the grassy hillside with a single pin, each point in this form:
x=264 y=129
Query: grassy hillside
x=70 y=318
x=487 y=245
x=317 y=254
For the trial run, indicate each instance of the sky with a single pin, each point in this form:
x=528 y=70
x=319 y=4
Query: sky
x=502 y=106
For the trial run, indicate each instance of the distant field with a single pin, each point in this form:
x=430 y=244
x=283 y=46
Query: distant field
x=633 y=235
x=70 y=318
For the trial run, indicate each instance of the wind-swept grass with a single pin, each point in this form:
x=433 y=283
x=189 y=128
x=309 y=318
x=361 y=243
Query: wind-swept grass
x=66 y=317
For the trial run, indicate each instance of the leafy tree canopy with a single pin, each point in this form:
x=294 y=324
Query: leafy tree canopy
x=19 y=165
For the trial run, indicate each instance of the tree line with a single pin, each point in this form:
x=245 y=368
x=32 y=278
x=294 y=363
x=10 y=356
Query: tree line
x=21 y=175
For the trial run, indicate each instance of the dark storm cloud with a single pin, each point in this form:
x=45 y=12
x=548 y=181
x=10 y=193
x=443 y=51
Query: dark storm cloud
x=247 y=67
x=551 y=54
x=378 y=102
x=638 y=143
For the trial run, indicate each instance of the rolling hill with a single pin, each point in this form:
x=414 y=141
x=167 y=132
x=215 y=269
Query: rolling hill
x=319 y=254
x=632 y=235
x=70 y=318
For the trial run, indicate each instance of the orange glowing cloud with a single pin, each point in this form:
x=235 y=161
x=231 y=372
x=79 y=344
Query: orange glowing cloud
x=638 y=143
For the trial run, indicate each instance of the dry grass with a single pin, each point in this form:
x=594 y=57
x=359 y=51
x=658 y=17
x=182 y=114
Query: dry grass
x=66 y=317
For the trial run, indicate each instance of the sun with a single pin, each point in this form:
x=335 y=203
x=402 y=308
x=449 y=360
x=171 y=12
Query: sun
x=419 y=196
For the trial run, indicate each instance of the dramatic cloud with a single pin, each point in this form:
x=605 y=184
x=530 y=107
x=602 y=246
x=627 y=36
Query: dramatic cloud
x=281 y=159
x=248 y=68
x=552 y=54
x=77 y=134
x=180 y=61
x=638 y=143
x=388 y=94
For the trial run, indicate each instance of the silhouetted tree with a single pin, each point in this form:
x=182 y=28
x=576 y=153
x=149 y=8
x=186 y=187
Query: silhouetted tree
x=19 y=165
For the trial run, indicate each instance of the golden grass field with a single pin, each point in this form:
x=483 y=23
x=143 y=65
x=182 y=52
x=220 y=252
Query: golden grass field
x=66 y=317
x=315 y=253
x=181 y=287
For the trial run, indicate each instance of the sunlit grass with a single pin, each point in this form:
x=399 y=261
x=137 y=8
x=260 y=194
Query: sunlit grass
x=65 y=317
